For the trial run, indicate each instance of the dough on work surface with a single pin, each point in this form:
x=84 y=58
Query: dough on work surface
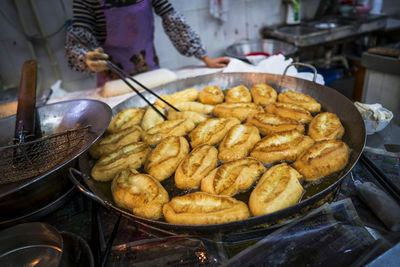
x=211 y=131
x=203 y=208
x=321 y=159
x=196 y=166
x=131 y=156
x=149 y=79
x=283 y=146
x=166 y=157
x=300 y=99
x=263 y=94
x=115 y=141
x=125 y=119
x=240 y=111
x=154 y=135
x=211 y=95
x=290 y=111
x=152 y=118
x=238 y=94
x=233 y=177
x=238 y=142
x=277 y=189
x=270 y=123
x=325 y=126
x=189 y=94
x=140 y=193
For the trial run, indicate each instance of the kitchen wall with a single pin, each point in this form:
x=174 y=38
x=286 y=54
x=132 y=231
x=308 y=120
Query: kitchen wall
x=244 y=19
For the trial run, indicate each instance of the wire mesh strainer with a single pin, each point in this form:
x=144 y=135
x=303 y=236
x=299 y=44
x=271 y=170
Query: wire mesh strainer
x=31 y=159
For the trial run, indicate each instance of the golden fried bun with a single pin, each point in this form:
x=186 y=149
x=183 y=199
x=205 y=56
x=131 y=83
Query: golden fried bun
x=325 y=126
x=277 y=189
x=196 y=117
x=125 y=119
x=233 y=177
x=211 y=131
x=270 y=123
x=131 y=156
x=300 y=99
x=166 y=157
x=238 y=142
x=152 y=118
x=290 y=111
x=321 y=159
x=283 y=146
x=263 y=94
x=115 y=141
x=189 y=94
x=154 y=135
x=211 y=95
x=238 y=94
x=194 y=106
x=203 y=208
x=140 y=193
x=195 y=167
x=237 y=110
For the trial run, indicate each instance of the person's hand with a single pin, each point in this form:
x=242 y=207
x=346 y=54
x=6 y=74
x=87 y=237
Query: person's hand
x=95 y=60
x=216 y=62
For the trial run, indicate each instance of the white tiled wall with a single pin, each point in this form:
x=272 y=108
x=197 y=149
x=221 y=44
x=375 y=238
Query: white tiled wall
x=245 y=18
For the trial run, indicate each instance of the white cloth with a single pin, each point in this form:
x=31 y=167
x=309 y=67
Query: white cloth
x=275 y=64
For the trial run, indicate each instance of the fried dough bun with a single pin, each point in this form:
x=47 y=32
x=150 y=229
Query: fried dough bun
x=283 y=146
x=325 y=126
x=211 y=95
x=238 y=142
x=115 y=141
x=152 y=118
x=196 y=117
x=154 y=135
x=196 y=166
x=140 y=193
x=125 y=119
x=300 y=99
x=277 y=189
x=290 y=111
x=131 y=156
x=166 y=157
x=211 y=131
x=263 y=94
x=321 y=159
x=189 y=94
x=240 y=111
x=238 y=94
x=203 y=208
x=233 y=177
x=270 y=123
x=194 y=106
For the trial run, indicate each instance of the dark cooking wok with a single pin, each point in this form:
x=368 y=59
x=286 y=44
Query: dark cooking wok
x=22 y=199
x=331 y=101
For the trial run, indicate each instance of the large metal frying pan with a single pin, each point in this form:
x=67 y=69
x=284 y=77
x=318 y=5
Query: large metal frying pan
x=19 y=199
x=331 y=101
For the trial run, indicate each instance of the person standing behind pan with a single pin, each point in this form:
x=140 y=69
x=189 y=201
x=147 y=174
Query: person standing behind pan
x=123 y=32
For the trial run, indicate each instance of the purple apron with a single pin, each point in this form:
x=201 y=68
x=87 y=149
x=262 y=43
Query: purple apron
x=129 y=42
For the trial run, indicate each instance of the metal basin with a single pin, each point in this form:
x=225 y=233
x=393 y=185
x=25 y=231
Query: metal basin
x=269 y=46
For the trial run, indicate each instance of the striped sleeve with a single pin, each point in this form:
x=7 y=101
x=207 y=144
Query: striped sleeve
x=162 y=7
x=184 y=39
x=89 y=14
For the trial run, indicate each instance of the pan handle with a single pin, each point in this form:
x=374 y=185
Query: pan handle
x=299 y=64
x=74 y=180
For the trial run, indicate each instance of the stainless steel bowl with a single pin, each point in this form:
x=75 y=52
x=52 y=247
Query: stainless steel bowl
x=270 y=46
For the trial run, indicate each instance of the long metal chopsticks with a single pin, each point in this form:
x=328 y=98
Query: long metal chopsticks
x=123 y=76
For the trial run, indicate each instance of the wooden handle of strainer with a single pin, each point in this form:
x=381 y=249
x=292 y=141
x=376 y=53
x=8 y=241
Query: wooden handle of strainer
x=25 y=118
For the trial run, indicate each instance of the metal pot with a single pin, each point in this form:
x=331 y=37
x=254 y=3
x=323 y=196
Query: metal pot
x=330 y=100
x=35 y=197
